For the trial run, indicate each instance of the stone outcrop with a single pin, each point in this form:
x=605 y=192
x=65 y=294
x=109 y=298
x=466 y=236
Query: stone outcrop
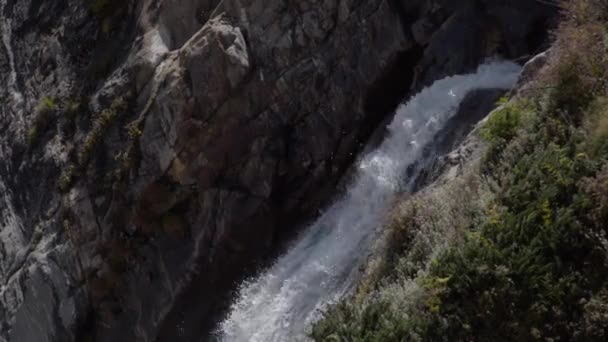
x=154 y=153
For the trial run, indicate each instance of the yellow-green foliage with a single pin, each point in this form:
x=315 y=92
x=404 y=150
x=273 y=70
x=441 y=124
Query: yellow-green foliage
x=46 y=104
x=534 y=266
x=134 y=131
x=127 y=159
x=503 y=124
x=42 y=120
x=101 y=124
x=580 y=75
x=50 y=108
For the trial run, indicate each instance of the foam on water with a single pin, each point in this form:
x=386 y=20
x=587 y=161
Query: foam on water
x=281 y=303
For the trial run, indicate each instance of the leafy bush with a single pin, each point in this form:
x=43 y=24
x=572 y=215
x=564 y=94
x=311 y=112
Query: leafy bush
x=535 y=266
x=43 y=113
x=47 y=104
x=67 y=178
x=101 y=124
x=579 y=73
x=523 y=274
x=503 y=125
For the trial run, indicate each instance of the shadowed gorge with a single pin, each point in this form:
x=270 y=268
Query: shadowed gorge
x=386 y=93
x=261 y=170
x=319 y=268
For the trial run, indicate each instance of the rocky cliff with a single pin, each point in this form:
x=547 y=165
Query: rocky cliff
x=155 y=152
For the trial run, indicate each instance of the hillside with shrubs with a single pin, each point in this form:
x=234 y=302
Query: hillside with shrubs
x=515 y=248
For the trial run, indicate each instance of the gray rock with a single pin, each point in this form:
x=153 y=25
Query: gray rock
x=191 y=139
x=530 y=70
x=423 y=30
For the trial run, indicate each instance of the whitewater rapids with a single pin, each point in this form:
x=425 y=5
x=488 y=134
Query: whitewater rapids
x=281 y=303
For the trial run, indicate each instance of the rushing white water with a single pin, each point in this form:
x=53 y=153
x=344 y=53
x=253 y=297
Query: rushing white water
x=281 y=303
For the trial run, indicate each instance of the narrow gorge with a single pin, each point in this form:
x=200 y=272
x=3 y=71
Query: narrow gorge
x=235 y=170
x=320 y=267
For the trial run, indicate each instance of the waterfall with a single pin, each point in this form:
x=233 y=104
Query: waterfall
x=319 y=268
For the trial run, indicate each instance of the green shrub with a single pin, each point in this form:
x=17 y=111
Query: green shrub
x=43 y=115
x=374 y=322
x=526 y=273
x=134 y=132
x=535 y=266
x=522 y=275
x=503 y=125
x=67 y=178
x=101 y=124
x=47 y=104
x=579 y=74
x=571 y=92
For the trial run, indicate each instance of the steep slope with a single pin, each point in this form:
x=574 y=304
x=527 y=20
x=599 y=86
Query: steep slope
x=322 y=265
x=509 y=243
x=153 y=152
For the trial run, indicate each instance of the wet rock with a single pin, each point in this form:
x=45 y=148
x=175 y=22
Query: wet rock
x=530 y=70
x=454 y=146
x=189 y=140
x=423 y=30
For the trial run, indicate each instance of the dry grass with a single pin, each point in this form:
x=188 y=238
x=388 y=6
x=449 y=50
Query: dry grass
x=577 y=71
x=421 y=226
x=522 y=258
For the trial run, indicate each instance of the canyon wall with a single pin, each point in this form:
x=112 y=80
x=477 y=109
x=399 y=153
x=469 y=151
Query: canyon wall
x=153 y=153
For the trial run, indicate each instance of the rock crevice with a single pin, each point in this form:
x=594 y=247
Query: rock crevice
x=185 y=141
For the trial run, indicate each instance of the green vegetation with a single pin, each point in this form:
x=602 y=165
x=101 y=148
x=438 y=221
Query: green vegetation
x=502 y=126
x=49 y=109
x=47 y=104
x=129 y=157
x=101 y=124
x=43 y=115
x=134 y=131
x=67 y=178
x=527 y=257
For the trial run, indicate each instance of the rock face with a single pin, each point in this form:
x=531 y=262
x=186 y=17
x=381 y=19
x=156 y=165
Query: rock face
x=154 y=153
x=453 y=144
